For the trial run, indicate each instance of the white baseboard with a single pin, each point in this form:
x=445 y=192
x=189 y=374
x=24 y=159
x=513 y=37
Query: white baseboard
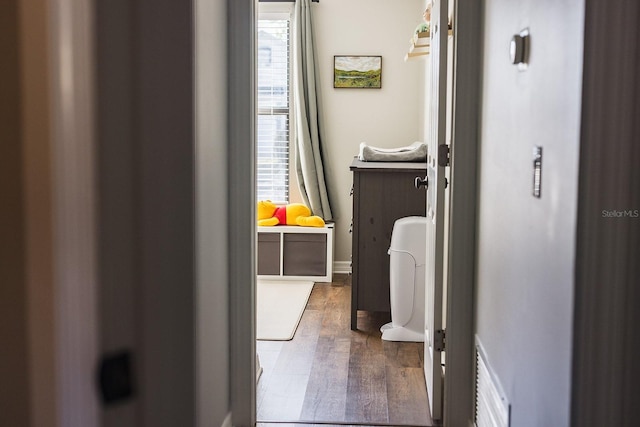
x=227 y=421
x=342 y=267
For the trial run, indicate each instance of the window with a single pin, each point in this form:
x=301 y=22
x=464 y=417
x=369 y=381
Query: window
x=273 y=72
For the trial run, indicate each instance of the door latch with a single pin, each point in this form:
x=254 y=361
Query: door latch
x=443 y=155
x=439 y=340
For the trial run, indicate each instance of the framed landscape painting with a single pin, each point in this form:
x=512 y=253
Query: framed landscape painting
x=362 y=72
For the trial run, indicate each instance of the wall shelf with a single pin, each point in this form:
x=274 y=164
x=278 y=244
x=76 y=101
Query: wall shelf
x=421 y=39
x=420 y=44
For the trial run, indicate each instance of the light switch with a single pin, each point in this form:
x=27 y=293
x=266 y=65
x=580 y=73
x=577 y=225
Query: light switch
x=519 y=49
x=516 y=49
x=537 y=171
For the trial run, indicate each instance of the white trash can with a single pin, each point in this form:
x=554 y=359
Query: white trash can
x=407 y=257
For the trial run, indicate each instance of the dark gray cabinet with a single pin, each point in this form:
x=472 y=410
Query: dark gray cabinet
x=382 y=193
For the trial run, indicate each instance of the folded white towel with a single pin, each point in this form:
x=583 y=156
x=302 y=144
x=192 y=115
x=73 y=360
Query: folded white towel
x=416 y=152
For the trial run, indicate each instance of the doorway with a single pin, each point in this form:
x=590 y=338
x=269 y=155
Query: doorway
x=458 y=220
x=458 y=383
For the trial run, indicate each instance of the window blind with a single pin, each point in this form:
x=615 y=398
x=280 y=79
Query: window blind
x=273 y=101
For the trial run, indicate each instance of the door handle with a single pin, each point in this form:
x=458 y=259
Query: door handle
x=419 y=182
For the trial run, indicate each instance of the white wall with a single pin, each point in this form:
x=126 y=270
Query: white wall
x=387 y=117
x=526 y=246
x=424 y=88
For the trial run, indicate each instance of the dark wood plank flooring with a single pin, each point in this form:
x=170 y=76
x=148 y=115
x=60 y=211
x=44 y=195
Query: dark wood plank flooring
x=331 y=374
x=309 y=424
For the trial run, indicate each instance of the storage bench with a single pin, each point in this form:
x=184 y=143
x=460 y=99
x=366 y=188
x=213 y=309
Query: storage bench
x=296 y=253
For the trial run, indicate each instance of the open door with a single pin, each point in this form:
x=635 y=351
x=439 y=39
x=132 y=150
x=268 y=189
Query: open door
x=434 y=334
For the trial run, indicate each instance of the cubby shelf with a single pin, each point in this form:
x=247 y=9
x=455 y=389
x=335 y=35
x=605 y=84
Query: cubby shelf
x=295 y=253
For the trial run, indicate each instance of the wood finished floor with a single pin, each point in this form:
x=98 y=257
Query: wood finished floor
x=331 y=374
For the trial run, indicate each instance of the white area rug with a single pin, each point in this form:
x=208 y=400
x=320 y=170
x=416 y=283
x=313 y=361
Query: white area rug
x=279 y=307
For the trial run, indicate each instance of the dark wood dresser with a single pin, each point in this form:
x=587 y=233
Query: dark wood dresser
x=382 y=192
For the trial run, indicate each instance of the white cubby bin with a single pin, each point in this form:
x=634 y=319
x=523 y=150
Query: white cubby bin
x=296 y=253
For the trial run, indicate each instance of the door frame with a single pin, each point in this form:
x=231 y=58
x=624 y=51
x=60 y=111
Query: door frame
x=435 y=205
x=458 y=388
x=241 y=35
x=459 y=380
x=59 y=238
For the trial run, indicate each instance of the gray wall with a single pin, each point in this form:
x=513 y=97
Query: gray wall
x=526 y=246
x=118 y=262
x=153 y=295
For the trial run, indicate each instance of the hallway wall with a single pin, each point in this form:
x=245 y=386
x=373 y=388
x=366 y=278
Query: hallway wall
x=526 y=245
x=162 y=129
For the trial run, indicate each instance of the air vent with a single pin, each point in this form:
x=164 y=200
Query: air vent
x=492 y=408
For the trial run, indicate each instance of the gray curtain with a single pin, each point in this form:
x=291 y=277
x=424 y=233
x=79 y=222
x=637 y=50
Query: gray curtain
x=309 y=147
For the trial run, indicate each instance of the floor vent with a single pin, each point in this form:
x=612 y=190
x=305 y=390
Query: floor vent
x=492 y=408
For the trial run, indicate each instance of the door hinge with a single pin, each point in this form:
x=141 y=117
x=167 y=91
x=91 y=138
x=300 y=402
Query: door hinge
x=443 y=155
x=439 y=340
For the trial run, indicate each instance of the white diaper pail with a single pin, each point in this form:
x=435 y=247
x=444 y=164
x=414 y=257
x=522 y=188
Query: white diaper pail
x=407 y=256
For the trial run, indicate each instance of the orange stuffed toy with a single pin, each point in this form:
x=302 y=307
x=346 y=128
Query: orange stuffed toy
x=292 y=214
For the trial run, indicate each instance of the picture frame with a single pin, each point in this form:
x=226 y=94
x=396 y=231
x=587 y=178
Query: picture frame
x=357 y=71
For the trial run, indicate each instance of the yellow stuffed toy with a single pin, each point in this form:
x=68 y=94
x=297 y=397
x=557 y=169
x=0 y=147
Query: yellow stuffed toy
x=292 y=214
